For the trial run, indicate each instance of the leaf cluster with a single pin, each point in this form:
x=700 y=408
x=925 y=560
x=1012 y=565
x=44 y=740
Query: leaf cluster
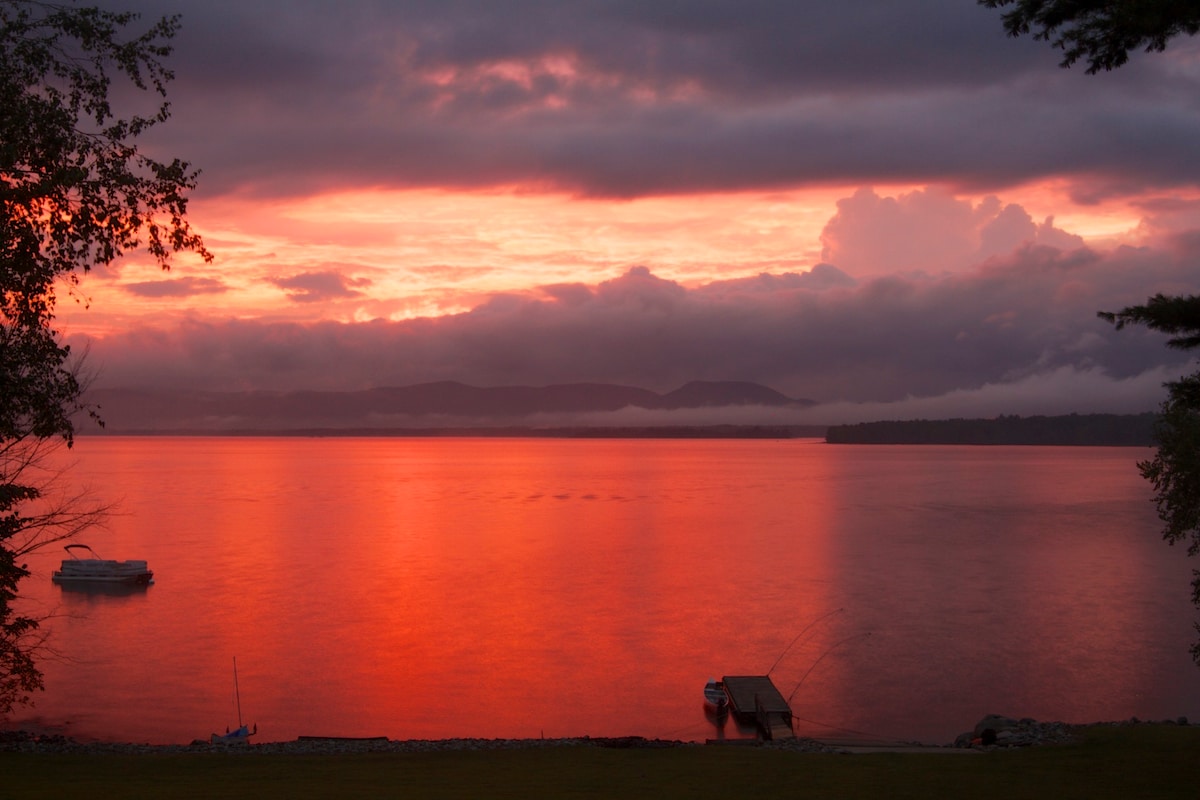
x=1102 y=32
x=19 y=676
x=76 y=192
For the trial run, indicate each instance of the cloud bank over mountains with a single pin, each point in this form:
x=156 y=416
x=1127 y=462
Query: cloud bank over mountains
x=1014 y=332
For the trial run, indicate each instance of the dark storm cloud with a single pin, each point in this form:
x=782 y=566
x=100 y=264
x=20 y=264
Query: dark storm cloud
x=1026 y=317
x=633 y=98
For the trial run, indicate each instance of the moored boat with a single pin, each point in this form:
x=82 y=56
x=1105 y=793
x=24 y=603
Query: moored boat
x=714 y=694
x=241 y=734
x=94 y=569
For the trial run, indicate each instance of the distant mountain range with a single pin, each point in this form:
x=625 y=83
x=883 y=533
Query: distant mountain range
x=429 y=404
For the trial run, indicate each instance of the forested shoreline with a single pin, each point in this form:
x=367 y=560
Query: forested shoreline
x=1097 y=430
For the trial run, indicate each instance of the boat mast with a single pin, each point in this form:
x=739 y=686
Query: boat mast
x=237 y=694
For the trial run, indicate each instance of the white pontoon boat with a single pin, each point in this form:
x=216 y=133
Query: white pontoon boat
x=95 y=569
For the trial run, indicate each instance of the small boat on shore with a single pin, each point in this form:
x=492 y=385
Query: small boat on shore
x=241 y=734
x=714 y=694
x=91 y=568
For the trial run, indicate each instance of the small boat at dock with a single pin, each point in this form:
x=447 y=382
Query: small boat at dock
x=714 y=694
x=90 y=568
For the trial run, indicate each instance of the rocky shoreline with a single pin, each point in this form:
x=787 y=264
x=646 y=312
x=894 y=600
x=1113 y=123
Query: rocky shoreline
x=26 y=742
x=993 y=732
x=997 y=731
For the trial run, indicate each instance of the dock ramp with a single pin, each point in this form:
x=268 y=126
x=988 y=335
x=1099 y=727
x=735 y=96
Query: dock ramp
x=755 y=697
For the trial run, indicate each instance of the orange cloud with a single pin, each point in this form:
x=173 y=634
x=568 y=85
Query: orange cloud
x=396 y=255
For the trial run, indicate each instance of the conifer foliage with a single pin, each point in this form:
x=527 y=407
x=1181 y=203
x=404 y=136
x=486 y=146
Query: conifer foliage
x=1103 y=32
x=1175 y=468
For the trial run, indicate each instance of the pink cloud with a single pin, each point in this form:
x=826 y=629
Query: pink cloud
x=928 y=231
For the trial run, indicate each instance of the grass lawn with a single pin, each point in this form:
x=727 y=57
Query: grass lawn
x=1140 y=761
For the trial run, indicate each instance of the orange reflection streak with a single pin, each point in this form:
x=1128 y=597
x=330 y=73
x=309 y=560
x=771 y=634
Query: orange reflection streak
x=569 y=594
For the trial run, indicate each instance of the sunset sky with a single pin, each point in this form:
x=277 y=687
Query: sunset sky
x=887 y=206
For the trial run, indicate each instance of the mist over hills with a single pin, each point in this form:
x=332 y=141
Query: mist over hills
x=445 y=403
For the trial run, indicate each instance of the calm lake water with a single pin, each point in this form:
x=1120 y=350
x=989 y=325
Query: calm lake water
x=439 y=588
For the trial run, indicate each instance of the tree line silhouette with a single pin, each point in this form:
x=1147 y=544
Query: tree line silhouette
x=1112 y=430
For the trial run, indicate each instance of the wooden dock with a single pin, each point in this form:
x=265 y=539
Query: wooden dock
x=754 y=697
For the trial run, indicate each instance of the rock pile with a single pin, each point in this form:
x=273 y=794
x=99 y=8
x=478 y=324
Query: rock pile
x=995 y=731
x=801 y=744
